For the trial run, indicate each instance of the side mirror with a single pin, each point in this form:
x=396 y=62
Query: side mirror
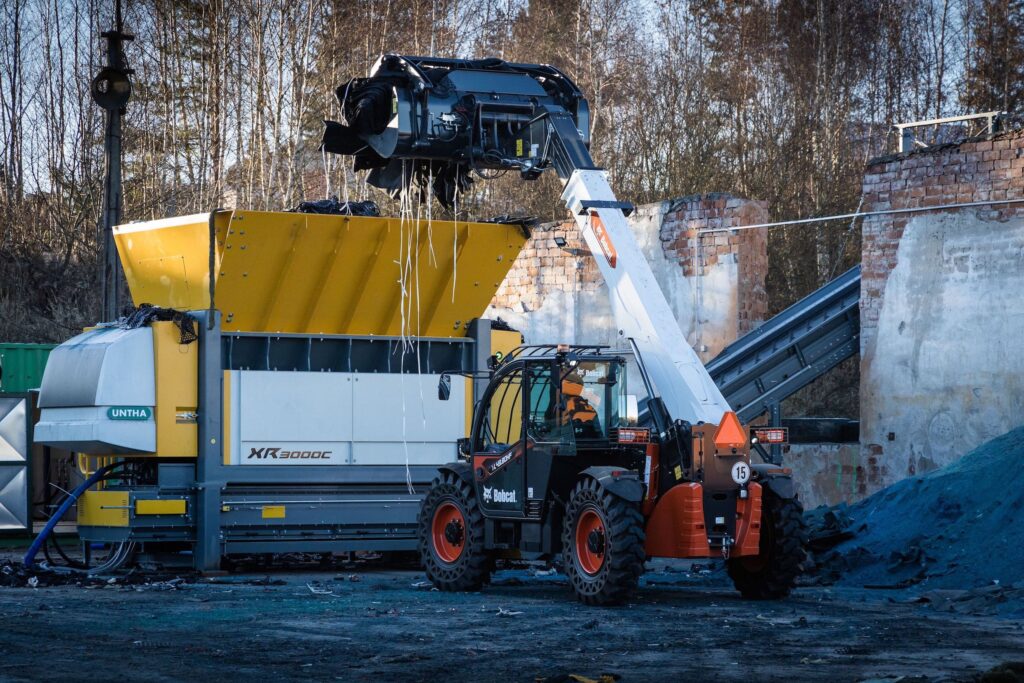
x=462 y=446
x=444 y=387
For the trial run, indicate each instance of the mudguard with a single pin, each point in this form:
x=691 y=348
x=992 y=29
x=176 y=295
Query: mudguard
x=461 y=469
x=776 y=479
x=617 y=481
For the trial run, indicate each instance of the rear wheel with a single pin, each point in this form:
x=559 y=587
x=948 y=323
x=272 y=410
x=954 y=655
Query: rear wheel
x=451 y=536
x=773 y=572
x=602 y=544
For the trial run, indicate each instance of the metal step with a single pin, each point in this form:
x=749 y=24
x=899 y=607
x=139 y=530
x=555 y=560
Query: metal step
x=792 y=349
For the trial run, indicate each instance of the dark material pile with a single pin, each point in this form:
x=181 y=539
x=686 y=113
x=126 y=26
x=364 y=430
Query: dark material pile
x=959 y=528
x=334 y=207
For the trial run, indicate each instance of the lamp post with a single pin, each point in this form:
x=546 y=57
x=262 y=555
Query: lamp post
x=111 y=89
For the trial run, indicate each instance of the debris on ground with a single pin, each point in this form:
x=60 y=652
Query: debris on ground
x=958 y=528
x=16 y=575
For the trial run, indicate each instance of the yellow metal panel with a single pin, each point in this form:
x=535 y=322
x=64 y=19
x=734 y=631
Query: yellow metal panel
x=103 y=508
x=308 y=273
x=161 y=507
x=177 y=376
x=273 y=512
x=507 y=417
x=166 y=262
x=505 y=340
x=225 y=437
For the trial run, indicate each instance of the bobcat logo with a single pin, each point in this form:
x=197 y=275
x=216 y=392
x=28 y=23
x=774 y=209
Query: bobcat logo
x=498 y=496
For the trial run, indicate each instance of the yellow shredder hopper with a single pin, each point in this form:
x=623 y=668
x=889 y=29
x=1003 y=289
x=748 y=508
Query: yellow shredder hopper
x=321 y=274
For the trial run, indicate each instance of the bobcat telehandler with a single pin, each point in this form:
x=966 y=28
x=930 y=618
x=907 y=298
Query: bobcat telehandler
x=559 y=459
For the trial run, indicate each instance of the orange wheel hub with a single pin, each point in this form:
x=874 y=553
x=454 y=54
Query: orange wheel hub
x=590 y=541
x=448 y=532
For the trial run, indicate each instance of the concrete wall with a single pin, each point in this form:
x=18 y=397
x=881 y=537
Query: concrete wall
x=714 y=282
x=942 y=309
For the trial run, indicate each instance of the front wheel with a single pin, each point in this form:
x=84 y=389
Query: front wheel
x=772 y=573
x=451 y=536
x=602 y=544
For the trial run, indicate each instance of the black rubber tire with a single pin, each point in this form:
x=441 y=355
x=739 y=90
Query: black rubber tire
x=472 y=570
x=772 y=574
x=617 y=579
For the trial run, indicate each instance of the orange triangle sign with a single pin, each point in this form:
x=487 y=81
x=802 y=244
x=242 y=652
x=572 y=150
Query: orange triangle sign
x=730 y=432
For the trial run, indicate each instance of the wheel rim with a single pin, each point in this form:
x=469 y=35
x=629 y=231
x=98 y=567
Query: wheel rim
x=591 y=541
x=448 y=532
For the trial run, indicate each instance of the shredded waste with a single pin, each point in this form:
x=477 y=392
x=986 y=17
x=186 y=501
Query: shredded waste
x=954 y=535
x=333 y=206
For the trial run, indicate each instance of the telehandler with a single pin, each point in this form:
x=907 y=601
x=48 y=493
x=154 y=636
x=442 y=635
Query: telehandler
x=561 y=458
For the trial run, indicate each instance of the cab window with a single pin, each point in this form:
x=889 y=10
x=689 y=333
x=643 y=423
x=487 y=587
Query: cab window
x=503 y=424
x=542 y=421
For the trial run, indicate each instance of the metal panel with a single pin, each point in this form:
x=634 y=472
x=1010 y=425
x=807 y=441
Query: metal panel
x=90 y=430
x=102 y=367
x=13 y=430
x=320 y=274
x=311 y=418
x=293 y=412
x=13 y=497
x=22 y=366
x=399 y=419
x=14 y=450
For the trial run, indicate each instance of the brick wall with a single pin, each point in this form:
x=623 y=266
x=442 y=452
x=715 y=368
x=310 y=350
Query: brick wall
x=714 y=281
x=942 y=309
x=972 y=171
x=686 y=217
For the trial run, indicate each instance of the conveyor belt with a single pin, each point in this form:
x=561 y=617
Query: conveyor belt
x=792 y=349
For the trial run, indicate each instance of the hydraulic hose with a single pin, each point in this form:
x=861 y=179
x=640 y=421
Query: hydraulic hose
x=33 y=550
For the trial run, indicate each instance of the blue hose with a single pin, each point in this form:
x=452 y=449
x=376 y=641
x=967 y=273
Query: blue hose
x=30 y=556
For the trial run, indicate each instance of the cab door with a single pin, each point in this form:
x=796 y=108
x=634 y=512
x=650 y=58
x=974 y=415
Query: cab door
x=499 y=447
x=548 y=433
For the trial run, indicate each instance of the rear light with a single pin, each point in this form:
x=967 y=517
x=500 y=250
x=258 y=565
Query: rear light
x=771 y=435
x=634 y=436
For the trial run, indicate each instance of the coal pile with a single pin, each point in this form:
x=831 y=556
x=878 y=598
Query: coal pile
x=960 y=528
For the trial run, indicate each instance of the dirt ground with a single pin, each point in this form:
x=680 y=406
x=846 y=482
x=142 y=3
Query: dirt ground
x=384 y=623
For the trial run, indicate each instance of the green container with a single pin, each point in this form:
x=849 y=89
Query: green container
x=22 y=366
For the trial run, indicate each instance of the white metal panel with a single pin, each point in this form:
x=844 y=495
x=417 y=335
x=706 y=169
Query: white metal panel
x=312 y=418
x=395 y=452
x=301 y=406
x=89 y=430
x=108 y=366
x=291 y=418
x=400 y=415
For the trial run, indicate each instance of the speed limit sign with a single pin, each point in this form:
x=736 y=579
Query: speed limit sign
x=741 y=473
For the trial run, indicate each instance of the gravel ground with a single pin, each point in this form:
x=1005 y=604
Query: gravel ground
x=372 y=622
